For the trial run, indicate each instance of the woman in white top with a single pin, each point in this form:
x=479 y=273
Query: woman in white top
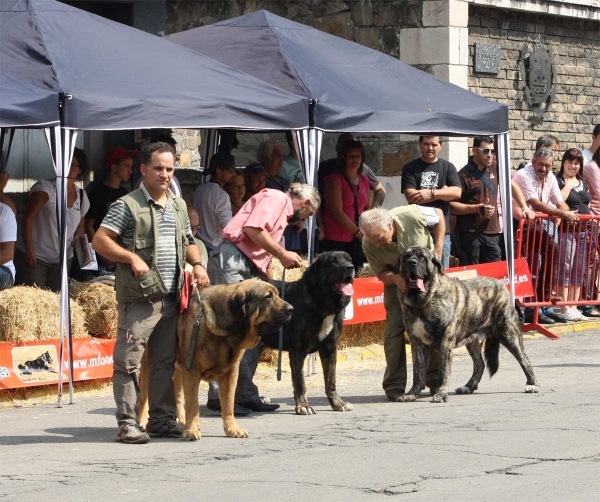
x=38 y=254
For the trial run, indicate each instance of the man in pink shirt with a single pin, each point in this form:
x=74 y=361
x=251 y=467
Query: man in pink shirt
x=251 y=239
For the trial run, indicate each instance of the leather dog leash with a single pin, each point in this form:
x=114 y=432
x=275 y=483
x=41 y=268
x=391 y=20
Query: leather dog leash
x=281 y=330
x=190 y=359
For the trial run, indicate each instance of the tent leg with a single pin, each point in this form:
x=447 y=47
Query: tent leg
x=503 y=157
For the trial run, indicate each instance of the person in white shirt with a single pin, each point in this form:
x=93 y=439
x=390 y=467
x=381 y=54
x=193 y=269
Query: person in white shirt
x=212 y=202
x=37 y=259
x=8 y=237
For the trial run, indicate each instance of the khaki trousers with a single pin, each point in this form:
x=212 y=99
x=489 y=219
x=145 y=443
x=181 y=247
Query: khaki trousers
x=146 y=325
x=394 y=347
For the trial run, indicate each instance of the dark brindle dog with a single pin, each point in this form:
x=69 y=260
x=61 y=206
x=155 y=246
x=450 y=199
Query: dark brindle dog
x=319 y=299
x=442 y=313
x=41 y=363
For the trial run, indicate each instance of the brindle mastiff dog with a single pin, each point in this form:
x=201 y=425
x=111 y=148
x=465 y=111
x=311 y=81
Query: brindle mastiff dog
x=233 y=319
x=442 y=313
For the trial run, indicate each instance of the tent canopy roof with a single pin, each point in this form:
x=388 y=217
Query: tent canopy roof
x=117 y=77
x=25 y=105
x=357 y=89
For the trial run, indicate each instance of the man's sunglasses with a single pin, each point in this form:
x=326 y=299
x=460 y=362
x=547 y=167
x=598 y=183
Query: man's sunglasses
x=486 y=151
x=195 y=228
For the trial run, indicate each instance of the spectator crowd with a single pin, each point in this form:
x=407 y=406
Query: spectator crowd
x=239 y=219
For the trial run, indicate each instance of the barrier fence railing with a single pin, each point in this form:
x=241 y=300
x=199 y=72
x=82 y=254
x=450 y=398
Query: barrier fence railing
x=564 y=262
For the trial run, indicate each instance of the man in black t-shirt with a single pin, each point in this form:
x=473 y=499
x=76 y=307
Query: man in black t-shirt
x=430 y=181
x=119 y=167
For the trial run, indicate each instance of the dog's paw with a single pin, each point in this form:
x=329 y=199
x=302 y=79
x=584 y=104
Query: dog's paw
x=305 y=410
x=464 y=390
x=531 y=389
x=343 y=406
x=440 y=397
x=236 y=432
x=191 y=435
x=406 y=398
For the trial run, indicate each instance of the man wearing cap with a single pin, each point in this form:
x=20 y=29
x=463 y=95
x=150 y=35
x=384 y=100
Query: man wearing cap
x=212 y=202
x=119 y=168
x=255 y=176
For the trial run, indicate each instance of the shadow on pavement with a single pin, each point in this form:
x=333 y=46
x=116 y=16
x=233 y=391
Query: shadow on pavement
x=64 y=435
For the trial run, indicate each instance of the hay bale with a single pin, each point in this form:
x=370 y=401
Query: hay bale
x=99 y=304
x=30 y=313
x=290 y=275
x=361 y=335
x=76 y=288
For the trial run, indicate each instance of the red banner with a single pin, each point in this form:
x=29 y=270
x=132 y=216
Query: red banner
x=367 y=301
x=26 y=364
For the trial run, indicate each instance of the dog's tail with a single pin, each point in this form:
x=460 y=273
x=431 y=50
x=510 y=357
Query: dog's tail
x=491 y=351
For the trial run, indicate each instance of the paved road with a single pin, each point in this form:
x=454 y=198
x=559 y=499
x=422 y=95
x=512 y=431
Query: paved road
x=496 y=445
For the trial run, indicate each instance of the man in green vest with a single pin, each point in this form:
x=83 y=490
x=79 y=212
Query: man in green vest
x=387 y=234
x=147 y=233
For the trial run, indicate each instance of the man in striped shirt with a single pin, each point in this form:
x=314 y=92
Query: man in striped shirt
x=147 y=233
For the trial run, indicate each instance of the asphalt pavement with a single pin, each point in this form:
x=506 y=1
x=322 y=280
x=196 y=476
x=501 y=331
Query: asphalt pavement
x=498 y=444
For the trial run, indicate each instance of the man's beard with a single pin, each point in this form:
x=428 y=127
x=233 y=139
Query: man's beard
x=297 y=217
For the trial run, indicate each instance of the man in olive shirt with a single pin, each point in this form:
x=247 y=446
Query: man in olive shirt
x=387 y=234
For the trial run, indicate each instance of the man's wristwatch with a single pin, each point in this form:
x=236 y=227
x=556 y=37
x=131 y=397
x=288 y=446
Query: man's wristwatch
x=201 y=263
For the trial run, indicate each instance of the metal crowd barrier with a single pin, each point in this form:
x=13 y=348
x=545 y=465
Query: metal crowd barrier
x=560 y=256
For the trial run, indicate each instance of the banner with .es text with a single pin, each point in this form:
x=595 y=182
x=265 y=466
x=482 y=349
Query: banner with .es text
x=27 y=364
x=367 y=301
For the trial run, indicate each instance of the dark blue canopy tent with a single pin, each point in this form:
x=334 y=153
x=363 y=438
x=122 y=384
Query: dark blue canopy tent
x=70 y=69
x=351 y=87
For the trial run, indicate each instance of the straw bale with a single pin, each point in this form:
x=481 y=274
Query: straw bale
x=76 y=288
x=30 y=313
x=290 y=275
x=99 y=305
x=361 y=335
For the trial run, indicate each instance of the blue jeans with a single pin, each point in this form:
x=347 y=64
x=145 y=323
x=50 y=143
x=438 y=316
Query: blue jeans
x=6 y=278
x=446 y=253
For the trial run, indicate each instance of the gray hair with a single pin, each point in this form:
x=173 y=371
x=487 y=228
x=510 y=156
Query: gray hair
x=303 y=192
x=265 y=149
x=543 y=153
x=546 y=140
x=374 y=219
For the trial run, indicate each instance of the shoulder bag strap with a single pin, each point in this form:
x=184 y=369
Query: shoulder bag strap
x=355 y=194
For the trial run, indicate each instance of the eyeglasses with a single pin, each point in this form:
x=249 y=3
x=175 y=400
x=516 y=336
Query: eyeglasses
x=194 y=228
x=486 y=151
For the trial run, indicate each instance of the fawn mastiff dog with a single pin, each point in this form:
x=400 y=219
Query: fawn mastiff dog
x=442 y=313
x=210 y=347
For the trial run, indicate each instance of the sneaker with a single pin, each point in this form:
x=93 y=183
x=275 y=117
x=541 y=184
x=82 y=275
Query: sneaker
x=238 y=411
x=573 y=315
x=170 y=429
x=131 y=434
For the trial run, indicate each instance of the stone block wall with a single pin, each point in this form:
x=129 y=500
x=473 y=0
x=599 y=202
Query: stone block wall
x=576 y=47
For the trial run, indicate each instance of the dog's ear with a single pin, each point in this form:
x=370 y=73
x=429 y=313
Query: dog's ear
x=437 y=263
x=242 y=304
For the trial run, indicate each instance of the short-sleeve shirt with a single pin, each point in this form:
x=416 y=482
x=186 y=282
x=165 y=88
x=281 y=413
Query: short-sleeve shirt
x=8 y=232
x=532 y=187
x=333 y=230
x=120 y=220
x=579 y=197
x=411 y=230
x=267 y=210
x=292 y=171
x=214 y=209
x=419 y=175
x=101 y=197
x=44 y=229
x=475 y=191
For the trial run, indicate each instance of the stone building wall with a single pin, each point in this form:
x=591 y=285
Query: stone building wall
x=576 y=47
